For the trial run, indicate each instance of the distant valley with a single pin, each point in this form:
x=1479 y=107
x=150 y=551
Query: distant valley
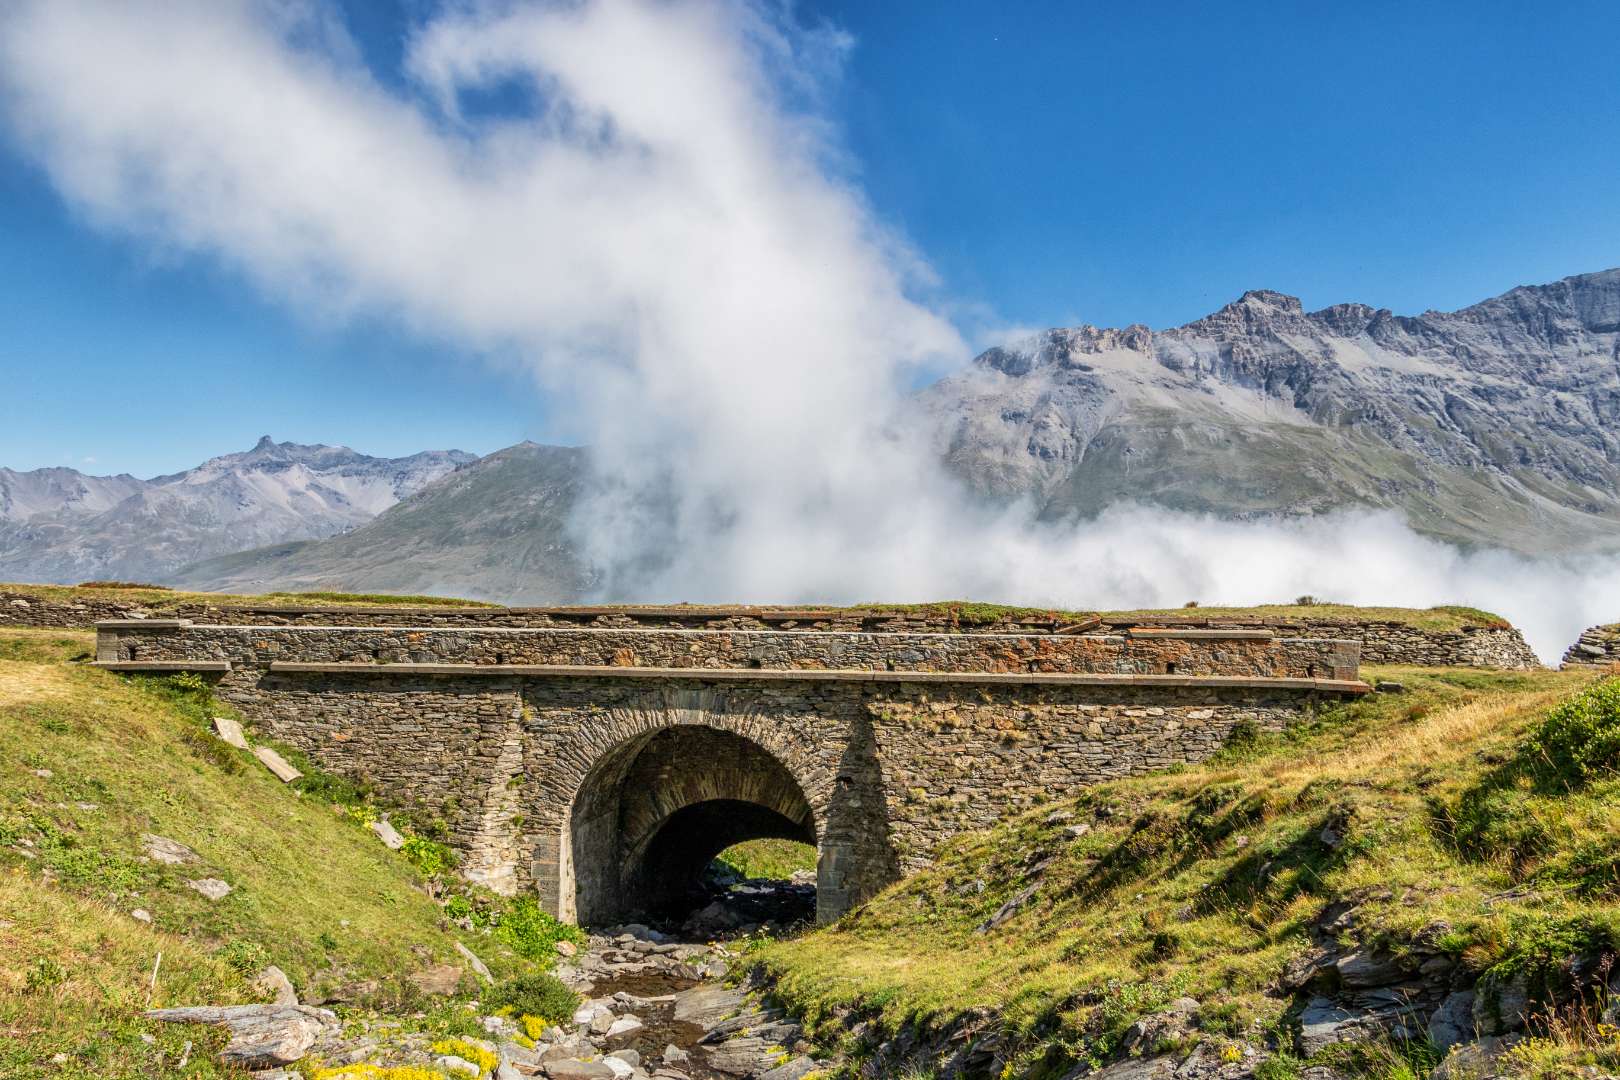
x=1496 y=425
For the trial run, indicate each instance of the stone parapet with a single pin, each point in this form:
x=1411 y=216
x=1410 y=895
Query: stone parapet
x=1248 y=655
x=1382 y=641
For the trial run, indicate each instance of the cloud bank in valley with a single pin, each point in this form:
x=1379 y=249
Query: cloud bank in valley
x=666 y=231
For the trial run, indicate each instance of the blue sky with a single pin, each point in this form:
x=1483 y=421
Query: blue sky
x=1053 y=162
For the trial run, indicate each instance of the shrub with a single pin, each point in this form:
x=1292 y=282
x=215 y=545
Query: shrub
x=537 y=995
x=533 y=934
x=1579 y=741
x=188 y=682
x=430 y=857
x=486 y=1060
x=244 y=957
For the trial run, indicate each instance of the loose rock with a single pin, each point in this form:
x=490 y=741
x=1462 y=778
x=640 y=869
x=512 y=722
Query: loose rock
x=164 y=850
x=211 y=887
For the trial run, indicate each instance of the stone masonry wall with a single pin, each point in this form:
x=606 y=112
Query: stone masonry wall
x=776 y=650
x=1382 y=641
x=890 y=770
x=1597 y=647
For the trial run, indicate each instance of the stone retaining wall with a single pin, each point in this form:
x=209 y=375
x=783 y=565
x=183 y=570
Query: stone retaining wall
x=1597 y=647
x=1192 y=653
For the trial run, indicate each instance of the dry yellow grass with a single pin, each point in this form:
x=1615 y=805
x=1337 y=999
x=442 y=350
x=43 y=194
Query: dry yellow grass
x=21 y=682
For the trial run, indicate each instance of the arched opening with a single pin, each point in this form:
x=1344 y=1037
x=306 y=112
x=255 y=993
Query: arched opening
x=654 y=812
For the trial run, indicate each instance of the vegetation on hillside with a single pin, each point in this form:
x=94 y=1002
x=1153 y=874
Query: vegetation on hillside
x=91 y=764
x=1480 y=809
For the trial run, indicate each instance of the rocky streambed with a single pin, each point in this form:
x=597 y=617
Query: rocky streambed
x=651 y=1008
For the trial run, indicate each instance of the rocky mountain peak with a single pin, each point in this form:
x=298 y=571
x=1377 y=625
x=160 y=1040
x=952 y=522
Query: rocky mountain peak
x=1267 y=298
x=1498 y=423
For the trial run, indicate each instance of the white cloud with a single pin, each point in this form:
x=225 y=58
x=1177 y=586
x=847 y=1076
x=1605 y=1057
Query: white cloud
x=672 y=241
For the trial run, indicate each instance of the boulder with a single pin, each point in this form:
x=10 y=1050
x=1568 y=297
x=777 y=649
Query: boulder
x=1467 y=1061
x=1323 y=1023
x=273 y=981
x=707 y=1005
x=624 y=1031
x=262 y=1036
x=796 y=1069
x=745 y=1055
x=211 y=887
x=441 y=979
x=457 y=1065
x=575 y=1069
x=1453 y=1021
x=1361 y=969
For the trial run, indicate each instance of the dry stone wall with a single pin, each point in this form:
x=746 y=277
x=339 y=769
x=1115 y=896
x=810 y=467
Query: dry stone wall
x=1597 y=647
x=19 y=609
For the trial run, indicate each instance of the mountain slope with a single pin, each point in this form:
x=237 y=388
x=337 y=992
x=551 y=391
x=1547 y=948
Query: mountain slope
x=1499 y=423
x=492 y=529
x=59 y=525
x=24 y=495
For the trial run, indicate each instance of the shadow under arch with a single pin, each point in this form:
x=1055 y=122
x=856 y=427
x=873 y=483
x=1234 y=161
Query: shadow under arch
x=656 y=809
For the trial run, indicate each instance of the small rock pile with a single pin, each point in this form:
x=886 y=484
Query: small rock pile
x=1597 y=647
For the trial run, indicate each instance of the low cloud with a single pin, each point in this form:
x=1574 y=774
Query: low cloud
x=668 y=234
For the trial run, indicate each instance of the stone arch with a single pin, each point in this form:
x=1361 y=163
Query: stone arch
x=651 y=788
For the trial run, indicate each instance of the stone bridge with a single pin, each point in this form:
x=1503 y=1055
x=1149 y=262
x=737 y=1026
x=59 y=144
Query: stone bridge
x=603 y=767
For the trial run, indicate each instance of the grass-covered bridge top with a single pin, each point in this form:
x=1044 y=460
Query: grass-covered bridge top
x=158 y=599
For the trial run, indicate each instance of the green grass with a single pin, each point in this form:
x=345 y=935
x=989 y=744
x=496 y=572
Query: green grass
x=775 y=860
x=965 y=612
x=1445 y=617
x=88 y=763
x=1202 y=881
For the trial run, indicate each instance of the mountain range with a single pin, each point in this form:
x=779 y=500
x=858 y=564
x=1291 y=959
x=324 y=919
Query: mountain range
x=58 y=525
x=1497 y=425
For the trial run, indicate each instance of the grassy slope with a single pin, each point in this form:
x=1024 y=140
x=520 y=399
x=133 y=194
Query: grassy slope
x=313 y=890
x=776 y=860
x=1201 y=881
